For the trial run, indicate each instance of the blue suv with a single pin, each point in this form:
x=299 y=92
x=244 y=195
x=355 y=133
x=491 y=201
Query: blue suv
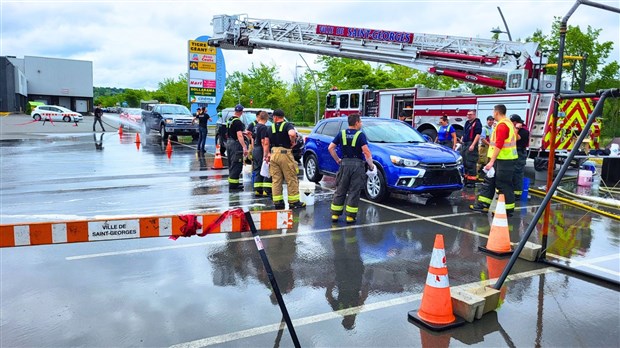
x=406 y=161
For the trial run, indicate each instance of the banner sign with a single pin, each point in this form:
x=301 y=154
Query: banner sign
x=368 y=34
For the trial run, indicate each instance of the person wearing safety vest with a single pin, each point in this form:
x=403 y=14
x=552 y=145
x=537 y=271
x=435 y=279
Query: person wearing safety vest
x=262 y=185
x=282 y=164
x=351 y=175
x=485 y=141
x=523 y=140
x=502 y=158
x=236 y=147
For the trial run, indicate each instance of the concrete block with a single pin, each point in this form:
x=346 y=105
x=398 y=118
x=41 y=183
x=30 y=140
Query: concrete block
x=466 y=305
x=530 y=251
x=491 y=299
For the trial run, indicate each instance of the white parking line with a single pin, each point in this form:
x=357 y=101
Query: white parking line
x=146 y=250
x=339 y=314
x=589 y=263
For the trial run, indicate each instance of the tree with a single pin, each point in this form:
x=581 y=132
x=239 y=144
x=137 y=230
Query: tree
x=577 y=43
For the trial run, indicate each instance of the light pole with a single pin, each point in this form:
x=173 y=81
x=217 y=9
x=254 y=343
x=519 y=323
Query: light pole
x=497 y=31
x=316 y=88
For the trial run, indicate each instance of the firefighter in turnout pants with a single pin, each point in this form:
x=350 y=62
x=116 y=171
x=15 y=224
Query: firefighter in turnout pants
x=502 y=157
x=237 y=150
x=282 y=164
x=351 y=175
x=262 y=185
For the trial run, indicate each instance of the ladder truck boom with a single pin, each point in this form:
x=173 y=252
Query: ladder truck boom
x=480 y=61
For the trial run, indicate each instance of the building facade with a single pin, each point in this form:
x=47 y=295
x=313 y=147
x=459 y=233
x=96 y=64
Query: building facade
x=53 y=81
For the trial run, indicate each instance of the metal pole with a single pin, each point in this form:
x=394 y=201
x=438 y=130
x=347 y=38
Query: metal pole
x=316 y=88
x=272 y=279
x=554 y=124
x=505 y=25
x=597 y=111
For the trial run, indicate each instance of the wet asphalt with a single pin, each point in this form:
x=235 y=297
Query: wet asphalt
x=343 y=285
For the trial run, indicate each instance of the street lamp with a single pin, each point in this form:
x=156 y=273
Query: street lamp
x=316 y=88
x=497 y=30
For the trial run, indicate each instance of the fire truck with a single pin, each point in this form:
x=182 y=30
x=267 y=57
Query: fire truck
x=517 y=69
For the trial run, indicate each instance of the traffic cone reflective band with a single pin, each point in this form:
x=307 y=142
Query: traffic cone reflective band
x=435 y=311
x=138 y=138
x=217 y=162
x=499 y=237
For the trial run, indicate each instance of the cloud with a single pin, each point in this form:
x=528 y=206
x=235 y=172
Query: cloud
x=138 y=44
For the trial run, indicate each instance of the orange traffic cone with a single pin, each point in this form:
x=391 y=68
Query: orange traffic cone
x=499 y=237
x=169 y=147
x=217 y=162
x=435 y=312
x=137 y=137
x=120 y=130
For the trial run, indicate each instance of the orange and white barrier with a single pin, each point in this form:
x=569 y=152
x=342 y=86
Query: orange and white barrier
x=43 y=233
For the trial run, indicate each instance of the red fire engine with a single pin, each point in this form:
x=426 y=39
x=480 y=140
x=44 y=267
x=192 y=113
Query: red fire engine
x=516 y=67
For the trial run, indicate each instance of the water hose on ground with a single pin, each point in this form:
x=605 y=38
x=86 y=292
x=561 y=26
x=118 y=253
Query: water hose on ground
x=578 y=205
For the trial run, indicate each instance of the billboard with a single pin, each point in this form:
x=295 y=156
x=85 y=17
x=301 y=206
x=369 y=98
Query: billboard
x=202 y=64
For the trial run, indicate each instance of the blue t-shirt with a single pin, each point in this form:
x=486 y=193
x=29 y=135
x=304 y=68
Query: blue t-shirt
x=445 y=133
x=349 y=151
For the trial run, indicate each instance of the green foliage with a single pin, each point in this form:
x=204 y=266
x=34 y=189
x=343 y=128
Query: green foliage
x=577 y=43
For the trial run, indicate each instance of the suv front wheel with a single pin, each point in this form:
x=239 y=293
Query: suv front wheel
x=311 y=167
x=376 y=188
x=162 y=131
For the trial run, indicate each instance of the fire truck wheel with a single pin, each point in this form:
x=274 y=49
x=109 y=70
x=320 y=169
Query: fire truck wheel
x=431 y=133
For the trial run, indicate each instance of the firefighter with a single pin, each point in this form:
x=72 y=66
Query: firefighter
x=502 y=157
x=282 y=164
x=483 y=147
x=262 y=185
x=469 y=150
x=236 y=147
x=351 y=175
x=523 y=139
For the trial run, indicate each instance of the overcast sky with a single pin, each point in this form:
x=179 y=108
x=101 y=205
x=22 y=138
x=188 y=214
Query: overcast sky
x=137 y=44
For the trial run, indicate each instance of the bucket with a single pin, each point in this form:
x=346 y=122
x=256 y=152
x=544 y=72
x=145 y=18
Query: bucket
x=306 y=192
x=584 y=178
x=614 y=150
x=526 y=188
x=247 y=173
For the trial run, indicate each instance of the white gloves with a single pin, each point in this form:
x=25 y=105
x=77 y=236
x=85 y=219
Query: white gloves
x=372 y=173
x=490 y=173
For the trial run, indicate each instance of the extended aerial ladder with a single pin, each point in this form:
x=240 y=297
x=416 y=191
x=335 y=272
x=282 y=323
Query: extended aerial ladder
x=501 y=64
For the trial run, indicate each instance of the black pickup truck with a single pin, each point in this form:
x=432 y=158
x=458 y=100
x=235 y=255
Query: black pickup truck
x=169 y=119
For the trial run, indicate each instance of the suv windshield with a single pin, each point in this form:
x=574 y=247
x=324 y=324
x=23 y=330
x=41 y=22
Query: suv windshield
x=390 y=132
x=174 y=110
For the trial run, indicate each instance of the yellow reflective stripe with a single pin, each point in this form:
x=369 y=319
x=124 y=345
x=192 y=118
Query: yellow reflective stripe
x=338 y=208
x=267 y=184
x=518 y=192
x=355 y=138
x=293 y=198
x=344 y=137
x=352 y=209
x=484 y=199
x=273 y=127
x=278 y=198
x=350 y=240
x=510 y=206
x=233 y=181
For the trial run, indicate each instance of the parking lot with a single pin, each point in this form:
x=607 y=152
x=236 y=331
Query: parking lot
x=344 y=285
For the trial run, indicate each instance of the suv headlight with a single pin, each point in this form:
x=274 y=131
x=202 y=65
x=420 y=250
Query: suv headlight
x=169 y=121
x=459 y=160
x=403 y=162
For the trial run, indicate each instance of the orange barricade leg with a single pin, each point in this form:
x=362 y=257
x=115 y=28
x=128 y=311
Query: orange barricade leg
x=435 y=311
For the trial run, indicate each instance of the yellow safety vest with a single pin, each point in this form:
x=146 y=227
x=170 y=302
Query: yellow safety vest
x=509 y=151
